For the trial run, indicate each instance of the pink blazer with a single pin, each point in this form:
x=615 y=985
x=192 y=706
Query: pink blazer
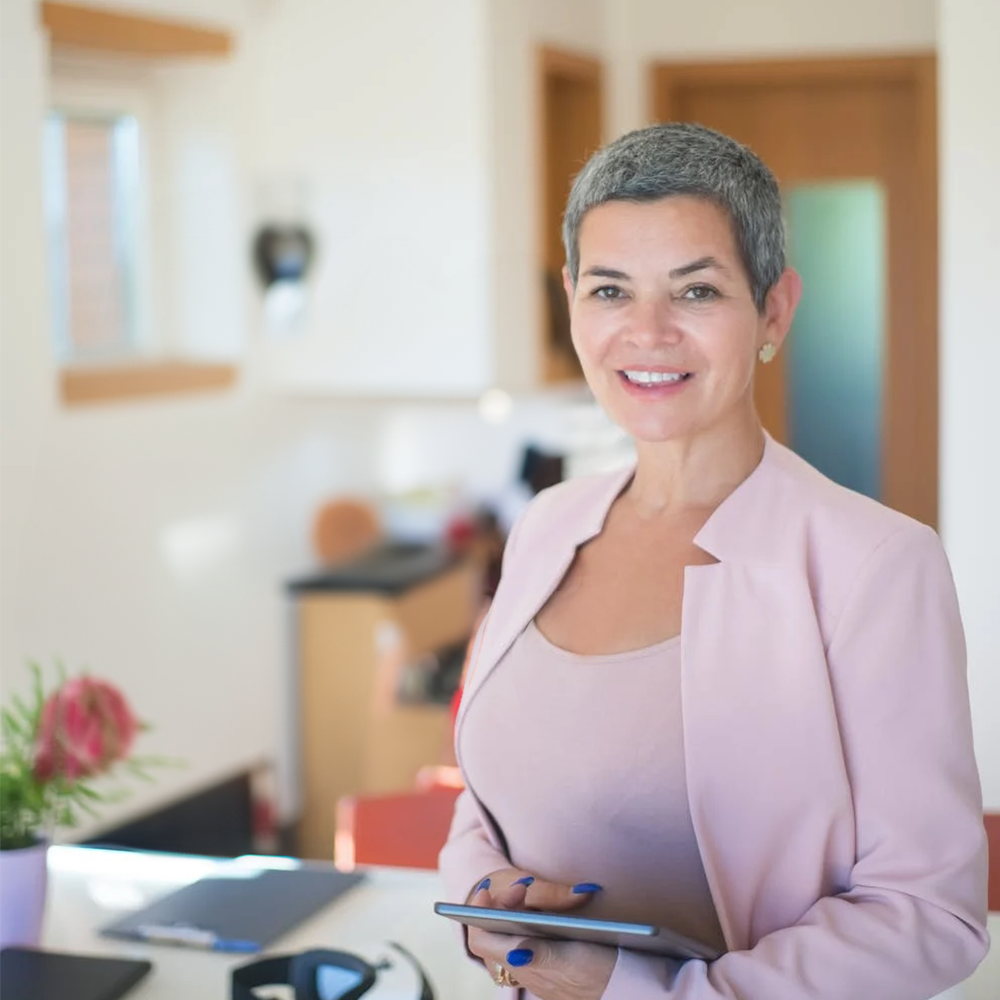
x=832 y=783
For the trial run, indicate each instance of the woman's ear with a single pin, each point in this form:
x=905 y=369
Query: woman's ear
x=779 y=308
x=569 y=286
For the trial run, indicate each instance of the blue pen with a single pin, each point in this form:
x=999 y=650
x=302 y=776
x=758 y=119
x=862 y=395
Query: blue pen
x=187 y=936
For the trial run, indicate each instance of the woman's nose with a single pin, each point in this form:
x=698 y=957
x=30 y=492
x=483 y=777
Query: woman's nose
x=652 y=324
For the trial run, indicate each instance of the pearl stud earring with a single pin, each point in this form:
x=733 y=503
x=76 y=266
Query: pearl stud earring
x=767 y=353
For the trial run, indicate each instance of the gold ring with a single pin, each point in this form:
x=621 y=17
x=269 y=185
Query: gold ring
x=502 y=976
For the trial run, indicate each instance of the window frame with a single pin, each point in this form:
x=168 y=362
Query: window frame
x=80 y=41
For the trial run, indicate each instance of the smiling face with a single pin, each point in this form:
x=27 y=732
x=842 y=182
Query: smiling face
x=663 y=318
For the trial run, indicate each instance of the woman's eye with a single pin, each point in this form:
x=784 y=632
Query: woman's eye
x=607 y=292
x=701 y=293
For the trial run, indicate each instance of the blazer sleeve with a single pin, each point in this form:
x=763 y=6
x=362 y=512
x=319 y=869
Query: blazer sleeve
x=912 y=921
x=472 y=851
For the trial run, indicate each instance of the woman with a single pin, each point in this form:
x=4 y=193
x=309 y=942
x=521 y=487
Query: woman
x=716 y=692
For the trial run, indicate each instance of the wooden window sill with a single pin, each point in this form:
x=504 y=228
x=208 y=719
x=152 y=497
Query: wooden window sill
x=83 y=386
x=79 y=26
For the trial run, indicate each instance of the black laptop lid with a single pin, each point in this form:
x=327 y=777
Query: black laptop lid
x=31 y=974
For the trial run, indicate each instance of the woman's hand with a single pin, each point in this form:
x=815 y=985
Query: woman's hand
x=551 y=970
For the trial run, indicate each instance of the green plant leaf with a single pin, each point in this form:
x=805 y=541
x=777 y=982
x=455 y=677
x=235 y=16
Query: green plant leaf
x=21 y=708
x=86 y=792
x=38 y=685
x=11 y=723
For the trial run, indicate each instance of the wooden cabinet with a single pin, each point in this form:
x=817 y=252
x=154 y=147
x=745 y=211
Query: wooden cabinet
x=355 y=647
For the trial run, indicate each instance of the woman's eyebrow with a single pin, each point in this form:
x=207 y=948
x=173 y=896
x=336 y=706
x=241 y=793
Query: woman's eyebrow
x=701 y=264
x=605 y=272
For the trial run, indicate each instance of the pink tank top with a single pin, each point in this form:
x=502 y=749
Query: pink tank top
x=595 y=809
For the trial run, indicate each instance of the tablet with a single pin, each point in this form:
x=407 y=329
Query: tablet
x=567 y=927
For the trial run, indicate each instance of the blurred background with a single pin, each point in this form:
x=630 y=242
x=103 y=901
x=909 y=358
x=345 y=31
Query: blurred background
x=280 y=280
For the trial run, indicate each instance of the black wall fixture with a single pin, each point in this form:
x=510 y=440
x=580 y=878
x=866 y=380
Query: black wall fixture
x=282 y=253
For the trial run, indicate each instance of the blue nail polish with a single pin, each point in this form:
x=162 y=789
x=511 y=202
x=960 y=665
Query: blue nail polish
x=485 y=884
x=525 y=880
x=519 y=957
x=582 y=887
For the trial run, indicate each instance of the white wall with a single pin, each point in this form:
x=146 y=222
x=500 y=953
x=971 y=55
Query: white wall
x=365 y=122
x=377 y=109
x=970 y=349
x=150 y=541
x=88 y=497
x=199 y=139
x=27 y=389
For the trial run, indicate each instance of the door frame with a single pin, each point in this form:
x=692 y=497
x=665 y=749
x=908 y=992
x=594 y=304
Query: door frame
x=585 y=72
x=911 y=392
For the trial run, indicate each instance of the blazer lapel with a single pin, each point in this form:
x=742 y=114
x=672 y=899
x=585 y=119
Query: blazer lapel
x=766 y=796
x=545 y=551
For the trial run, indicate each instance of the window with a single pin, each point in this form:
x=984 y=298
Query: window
x=96 y=195
x=92 y=191
x=122 y=112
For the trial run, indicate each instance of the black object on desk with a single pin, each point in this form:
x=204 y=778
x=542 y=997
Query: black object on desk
x=235 y=913
x=31 y=974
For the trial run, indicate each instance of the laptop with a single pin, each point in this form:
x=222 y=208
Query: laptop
x=33 y=974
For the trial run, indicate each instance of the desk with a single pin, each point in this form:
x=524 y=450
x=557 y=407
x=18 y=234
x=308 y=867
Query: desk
x=88 y=888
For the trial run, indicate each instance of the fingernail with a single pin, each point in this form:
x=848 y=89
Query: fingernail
x=581 y=887
x=525 y=880
x=485 y=884
x=519 y=957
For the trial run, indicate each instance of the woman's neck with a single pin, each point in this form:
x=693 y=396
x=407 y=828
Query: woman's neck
x=699 y=471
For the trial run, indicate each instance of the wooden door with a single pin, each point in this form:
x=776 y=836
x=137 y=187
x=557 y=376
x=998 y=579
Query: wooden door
x=832 y=119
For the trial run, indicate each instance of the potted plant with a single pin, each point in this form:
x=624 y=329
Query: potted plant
x=53 y=747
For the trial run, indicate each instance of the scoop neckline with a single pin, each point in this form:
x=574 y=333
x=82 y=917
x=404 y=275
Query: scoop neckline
x=628 y=654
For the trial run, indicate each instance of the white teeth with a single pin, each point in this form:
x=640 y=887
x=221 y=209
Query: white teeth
x=646 y=378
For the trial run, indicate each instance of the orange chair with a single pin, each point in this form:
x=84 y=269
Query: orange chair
x=992 y=821
x=401 y=830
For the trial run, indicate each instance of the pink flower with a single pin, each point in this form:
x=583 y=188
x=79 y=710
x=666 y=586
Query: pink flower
x=86 y=726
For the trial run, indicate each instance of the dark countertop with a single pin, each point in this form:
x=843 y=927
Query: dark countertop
x=391 y=569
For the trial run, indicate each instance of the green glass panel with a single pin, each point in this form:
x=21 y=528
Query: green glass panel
x=837 y=243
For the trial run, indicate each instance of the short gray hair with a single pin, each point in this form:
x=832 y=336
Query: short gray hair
x=685 y=159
